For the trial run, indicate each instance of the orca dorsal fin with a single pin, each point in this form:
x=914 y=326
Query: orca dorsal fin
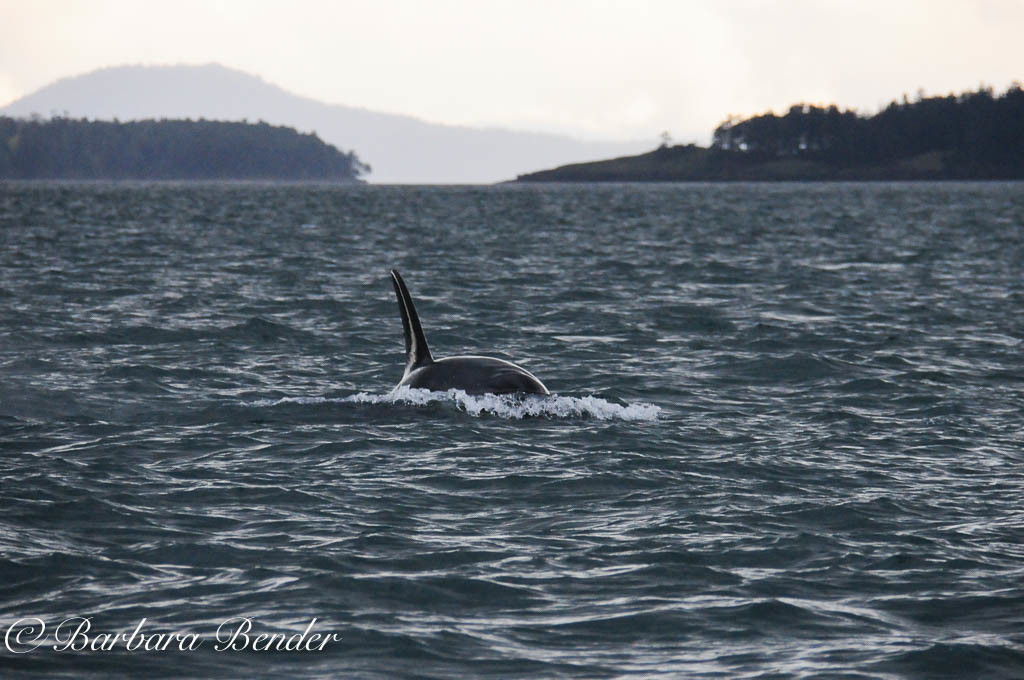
x=416 y=350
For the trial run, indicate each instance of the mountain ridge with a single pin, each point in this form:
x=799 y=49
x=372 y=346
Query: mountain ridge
x=400 y=149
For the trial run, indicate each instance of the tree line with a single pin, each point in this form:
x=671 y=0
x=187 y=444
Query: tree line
x=978 y=132
x=66 y=148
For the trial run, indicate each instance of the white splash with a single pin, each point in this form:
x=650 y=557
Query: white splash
x=516 y=406
x=503 y=405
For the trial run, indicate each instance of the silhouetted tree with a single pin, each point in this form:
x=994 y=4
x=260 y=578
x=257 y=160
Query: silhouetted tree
x=63 y=148
x=981 y=134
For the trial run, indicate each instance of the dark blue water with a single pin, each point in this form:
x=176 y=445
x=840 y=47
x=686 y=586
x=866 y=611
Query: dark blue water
x=786 y=437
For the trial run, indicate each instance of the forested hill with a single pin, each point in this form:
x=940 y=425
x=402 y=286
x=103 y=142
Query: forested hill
x=975 y=135
x=981 y=132
x=64 y=148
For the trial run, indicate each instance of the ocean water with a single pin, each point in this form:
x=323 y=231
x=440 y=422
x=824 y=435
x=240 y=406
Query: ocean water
x=786 y=436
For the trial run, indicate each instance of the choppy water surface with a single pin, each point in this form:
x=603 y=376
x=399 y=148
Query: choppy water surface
x=785 y=438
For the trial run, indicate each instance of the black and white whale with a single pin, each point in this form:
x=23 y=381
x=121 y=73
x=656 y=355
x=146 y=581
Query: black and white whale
x=473 y=374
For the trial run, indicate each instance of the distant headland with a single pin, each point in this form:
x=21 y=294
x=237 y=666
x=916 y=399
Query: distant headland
x=971 y=136
x=65 y=148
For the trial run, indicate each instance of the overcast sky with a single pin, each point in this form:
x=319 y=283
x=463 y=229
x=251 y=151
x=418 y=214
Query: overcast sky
x=595 y=69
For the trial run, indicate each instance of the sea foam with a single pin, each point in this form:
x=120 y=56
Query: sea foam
x=502 y=405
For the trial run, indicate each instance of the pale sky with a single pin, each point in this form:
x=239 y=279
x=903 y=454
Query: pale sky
x=594 y=69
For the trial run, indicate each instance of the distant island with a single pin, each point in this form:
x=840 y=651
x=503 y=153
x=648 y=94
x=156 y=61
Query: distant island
x=975 y=135
x=64 y=148
x=402 y=149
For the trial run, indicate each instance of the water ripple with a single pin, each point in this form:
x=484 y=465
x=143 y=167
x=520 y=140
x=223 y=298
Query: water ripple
x=785 y=438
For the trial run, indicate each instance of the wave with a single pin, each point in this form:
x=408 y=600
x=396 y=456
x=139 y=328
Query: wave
x=254 y=331
x=510 y=406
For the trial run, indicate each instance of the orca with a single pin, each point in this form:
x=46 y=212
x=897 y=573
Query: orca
x=472 y=374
